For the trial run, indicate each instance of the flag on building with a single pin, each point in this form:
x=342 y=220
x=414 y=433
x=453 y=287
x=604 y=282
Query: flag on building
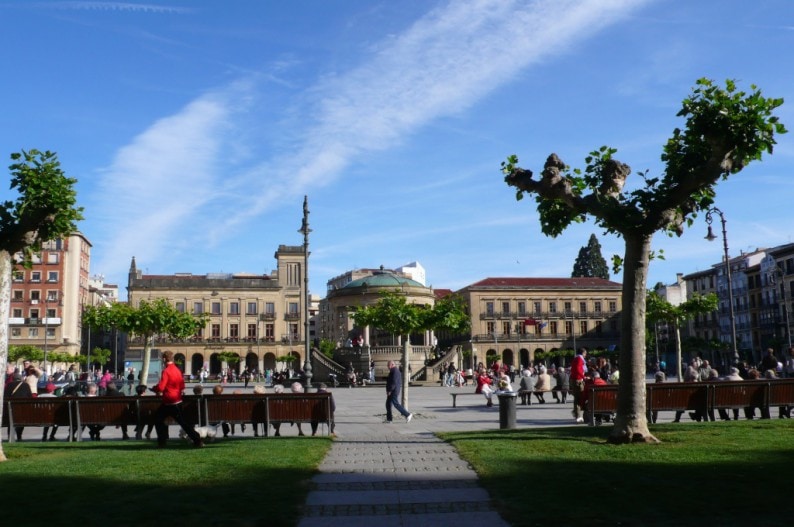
x=543 y=325
x=530 y=322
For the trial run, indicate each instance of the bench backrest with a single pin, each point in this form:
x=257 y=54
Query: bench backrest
x=299 y=407
x=677 y=396
x=739 y=394
x=235 y=408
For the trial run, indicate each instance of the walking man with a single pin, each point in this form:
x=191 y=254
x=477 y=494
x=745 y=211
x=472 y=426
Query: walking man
x=170 y=387
x=578 y=369
x=394 y=384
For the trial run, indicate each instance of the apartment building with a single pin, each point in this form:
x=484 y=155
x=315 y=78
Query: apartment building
x=47 y=299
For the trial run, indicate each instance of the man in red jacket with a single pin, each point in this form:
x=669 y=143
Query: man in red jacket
x=578 y=369
x=170 y=387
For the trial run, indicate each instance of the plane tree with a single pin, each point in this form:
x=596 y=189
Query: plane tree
x=660 y=310
x=393 y=313
x=148 y=320
x=725 y=129
x=45 y=209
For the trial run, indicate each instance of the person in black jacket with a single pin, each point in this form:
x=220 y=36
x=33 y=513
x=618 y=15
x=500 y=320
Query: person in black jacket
x=394 y=383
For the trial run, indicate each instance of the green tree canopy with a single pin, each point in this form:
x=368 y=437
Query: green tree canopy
x=590 y=263
x=725 y=129
x=148 y=320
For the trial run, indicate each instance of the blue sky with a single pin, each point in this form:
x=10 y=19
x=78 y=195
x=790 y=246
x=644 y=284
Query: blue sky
x=195 y=128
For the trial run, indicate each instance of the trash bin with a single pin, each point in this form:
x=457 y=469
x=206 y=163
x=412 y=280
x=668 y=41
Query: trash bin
x=507 y=410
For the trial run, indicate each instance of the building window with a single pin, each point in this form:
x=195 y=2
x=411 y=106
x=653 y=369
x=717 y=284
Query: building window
x=199 y=334
x=522 y=308
x=489 y=308
x=35 y=296
x=613 y=306
x=33 y=333
x=234 y=308
x=537 y=307
x=552 y=307
x=52 y=296
x=180 y=306
x=567 y=307
x=17 y=313
x=270 y=332
x=52 y=258
x=198 y=308
x=293 y=308
x=568 y=327
x=252 y=331
x=18 y=296
x=35 y=276
x=598 y=328
x=506 y=328
x=293 y=330
x=582 y=327
x=505 y=308
x=270 y=308
x=553 y=327
x=216 y=331
x=234 y=331
x=216 y=308
x=34 y=313
x=51 y=313
x=19 y=276
x=52 y=276
x=597 y=306
x=251 y=308
x=16 y=332
x=490 y=327
x=50 y=333
x=582 y=308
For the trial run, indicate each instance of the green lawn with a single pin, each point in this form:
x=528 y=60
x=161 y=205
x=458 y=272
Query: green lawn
x=120 y=483
x=722 y=473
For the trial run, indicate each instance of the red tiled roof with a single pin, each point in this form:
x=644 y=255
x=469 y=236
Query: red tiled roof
x=544 y=282
x=441 y=293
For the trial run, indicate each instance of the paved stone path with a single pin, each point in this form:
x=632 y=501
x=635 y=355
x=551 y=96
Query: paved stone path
x=412 y=479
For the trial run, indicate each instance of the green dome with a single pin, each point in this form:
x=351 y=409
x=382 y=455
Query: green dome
x=383 y=279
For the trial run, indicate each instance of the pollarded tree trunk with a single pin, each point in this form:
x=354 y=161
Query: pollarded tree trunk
x=631 y=423
x=6 y=273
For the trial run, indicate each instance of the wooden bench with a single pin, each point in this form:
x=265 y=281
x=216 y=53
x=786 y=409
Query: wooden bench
x=36 y=411
x=781 y=393
x=299 y=408
x=740 y=394
x=236 y=409
x=678 y=397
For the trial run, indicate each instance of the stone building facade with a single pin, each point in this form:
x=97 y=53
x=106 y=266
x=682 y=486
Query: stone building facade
x=258 y=317
x=513 y=318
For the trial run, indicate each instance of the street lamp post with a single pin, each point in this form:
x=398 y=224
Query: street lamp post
x=305 y=230
x=711 y=237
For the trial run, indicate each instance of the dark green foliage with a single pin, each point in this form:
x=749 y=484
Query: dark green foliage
x=590 y=263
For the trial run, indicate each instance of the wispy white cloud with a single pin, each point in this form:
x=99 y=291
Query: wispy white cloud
x=440 y=66
x=176 y=171
x=110 y=6
x=159 y=182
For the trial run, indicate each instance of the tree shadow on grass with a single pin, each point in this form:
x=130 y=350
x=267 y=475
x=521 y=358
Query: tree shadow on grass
x=594 y=483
